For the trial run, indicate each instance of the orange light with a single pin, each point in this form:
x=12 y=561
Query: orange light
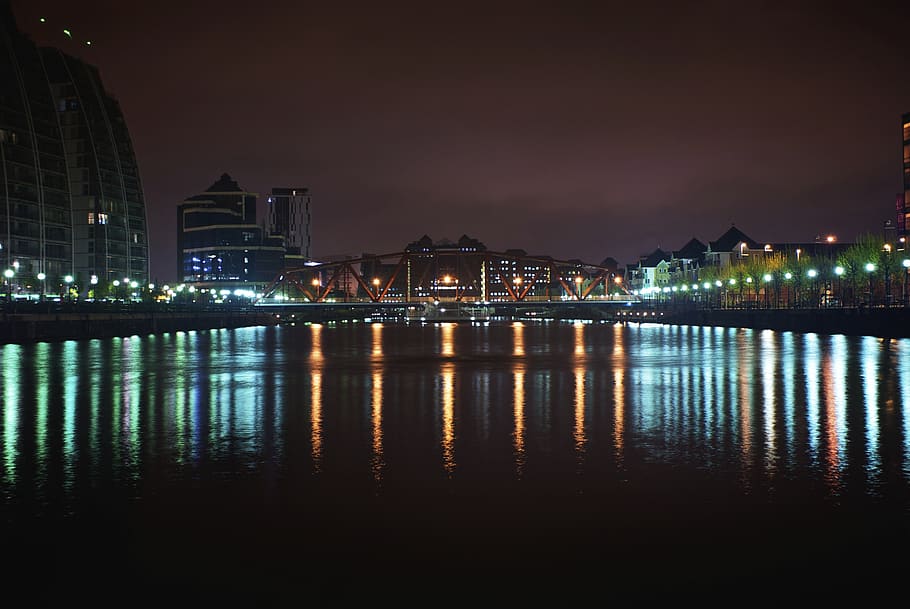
x=831 y=238
x=376 y=281
x=315 y=282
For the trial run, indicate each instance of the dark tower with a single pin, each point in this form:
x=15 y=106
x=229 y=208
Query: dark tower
x=289 y=216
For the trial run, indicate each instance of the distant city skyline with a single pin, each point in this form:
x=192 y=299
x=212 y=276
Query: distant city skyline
x=576 y=131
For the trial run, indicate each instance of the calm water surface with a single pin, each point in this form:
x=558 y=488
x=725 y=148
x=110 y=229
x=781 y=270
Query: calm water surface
x=500 y=462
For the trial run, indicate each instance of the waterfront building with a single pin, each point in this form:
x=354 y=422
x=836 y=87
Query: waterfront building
x=220 y=246
x=72 y=207
x=289 y=217
x=652 y=271
x=731 y=247
x=441 y=270
x=903 y=198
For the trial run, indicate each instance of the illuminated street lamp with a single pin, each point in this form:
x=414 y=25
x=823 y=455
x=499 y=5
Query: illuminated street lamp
x=68 y=280
x=9 y=273
x=839 y=271
x=906 y=264
x=376 y=286
x=41 y=278
x=767 y=279
x=870 y=268
x=578 y=281
x=813 y=274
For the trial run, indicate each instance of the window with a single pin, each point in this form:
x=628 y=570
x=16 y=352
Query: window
x=91 y=217
x=102 y=218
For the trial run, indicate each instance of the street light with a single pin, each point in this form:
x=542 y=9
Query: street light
x=906 y=264
x=812 y=273
x=870 y=268
x=41 y=278
x=9 y=273
x=68 y=280
x=767 y=279
x=578 y=281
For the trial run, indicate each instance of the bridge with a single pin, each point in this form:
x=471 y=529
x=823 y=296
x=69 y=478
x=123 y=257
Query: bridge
x=457 y=275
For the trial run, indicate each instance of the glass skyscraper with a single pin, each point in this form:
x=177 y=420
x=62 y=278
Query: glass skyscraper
x=71 y=200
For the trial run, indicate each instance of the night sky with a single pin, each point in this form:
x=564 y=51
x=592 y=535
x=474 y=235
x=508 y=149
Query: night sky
x=576 y=130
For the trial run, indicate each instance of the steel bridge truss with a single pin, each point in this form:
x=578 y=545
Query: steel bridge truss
x=444 y=275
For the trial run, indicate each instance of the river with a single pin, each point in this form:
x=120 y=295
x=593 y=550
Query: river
x=496 y=463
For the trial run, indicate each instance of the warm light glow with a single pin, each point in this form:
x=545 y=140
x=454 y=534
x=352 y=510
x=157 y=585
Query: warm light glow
x=831 y=239
x=376 y=281
x=315 y=283
x=448 y=417
x=378 y=462
x=447 y=279
x=518 y=412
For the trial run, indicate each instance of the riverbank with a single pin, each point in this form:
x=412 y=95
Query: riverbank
x=74 y=325
x=86 y=323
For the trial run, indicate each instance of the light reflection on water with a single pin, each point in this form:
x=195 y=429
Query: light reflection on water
x=479 y=404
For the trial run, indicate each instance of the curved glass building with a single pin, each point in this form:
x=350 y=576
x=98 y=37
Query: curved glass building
x=71 y=200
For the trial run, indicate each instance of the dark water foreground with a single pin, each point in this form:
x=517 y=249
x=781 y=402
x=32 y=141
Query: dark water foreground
x=526 y=464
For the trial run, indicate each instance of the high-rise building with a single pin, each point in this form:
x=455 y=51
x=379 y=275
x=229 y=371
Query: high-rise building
x=289 y=217
x=71 y=199
x=903 y=199
x=219 y=244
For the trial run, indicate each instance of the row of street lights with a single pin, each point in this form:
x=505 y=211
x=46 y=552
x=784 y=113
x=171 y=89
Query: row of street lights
x=767 y=278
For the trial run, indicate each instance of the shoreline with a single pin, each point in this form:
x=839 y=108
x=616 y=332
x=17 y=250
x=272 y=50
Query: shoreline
x=62 y=325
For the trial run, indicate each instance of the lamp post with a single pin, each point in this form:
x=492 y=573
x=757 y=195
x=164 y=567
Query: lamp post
x=376 y=287
x=839 y=271
x=813 y=275
x=906 y=264
x=767 y=279
x=68 y=280
x=9 y=273
x=788 y=276
x=870 y=268
x=578 y=281
x=41 y=278
x=887 y=268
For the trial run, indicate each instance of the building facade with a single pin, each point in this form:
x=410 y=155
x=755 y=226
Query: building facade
x=71 y=198
x=903 y=199
x=220 y=246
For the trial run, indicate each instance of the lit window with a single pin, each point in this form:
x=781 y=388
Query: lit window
x=102 y=218
x=91 y=217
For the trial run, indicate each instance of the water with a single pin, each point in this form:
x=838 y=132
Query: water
x=496 y=463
